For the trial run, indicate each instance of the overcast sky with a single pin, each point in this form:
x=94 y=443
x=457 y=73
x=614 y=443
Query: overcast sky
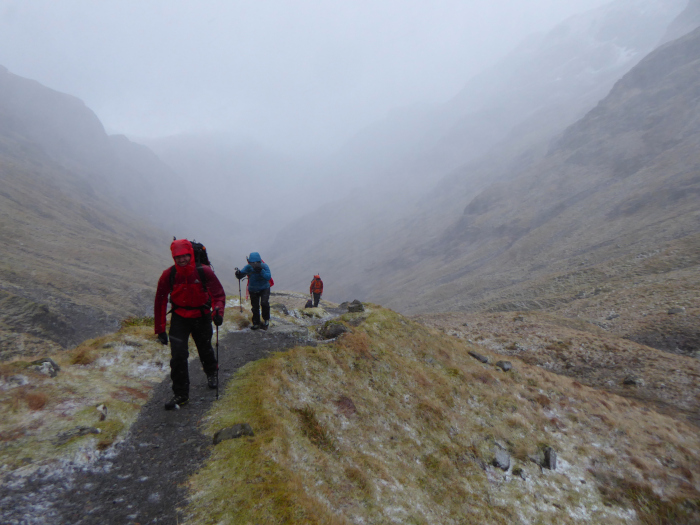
x=296 y=73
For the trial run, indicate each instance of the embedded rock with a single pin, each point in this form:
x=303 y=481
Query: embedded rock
x=356 y=306
x=502 y=460
x=504 y=365
x=479 y=357
x=236 y=431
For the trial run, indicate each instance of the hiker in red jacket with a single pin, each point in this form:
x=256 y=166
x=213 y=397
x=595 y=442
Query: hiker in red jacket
x=316 y=289
x=197 y=298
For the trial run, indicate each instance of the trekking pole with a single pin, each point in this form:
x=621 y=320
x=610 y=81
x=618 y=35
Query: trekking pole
x=217 y=362
x=240 y=299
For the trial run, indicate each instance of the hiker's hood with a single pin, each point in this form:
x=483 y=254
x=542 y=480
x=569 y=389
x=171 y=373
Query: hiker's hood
x=183 y=247
x=254 y=257
x=317 y=277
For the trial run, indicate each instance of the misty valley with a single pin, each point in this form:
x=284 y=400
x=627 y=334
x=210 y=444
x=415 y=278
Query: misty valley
x=484 y=310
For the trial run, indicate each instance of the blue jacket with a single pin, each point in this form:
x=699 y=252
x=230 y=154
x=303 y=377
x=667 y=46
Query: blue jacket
x=260 y=280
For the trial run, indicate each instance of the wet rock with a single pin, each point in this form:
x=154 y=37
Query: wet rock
x=280 y=308
x=236 y=431
x=550 y=459
x=504 y=365
x=502 y=460
x=331 y=330
x=65 y=437
x=356 y=306
x=632 y=380
x=676 y=310
x=479 y=357
x=46 y=366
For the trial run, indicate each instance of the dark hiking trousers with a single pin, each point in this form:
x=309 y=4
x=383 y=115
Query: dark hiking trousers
x=258 y=299
x=317 y=298
x=180 y=330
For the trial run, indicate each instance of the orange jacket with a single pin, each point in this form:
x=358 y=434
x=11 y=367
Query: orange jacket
x=316 y=285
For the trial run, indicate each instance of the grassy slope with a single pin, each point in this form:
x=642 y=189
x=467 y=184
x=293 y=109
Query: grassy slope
x=396 y=423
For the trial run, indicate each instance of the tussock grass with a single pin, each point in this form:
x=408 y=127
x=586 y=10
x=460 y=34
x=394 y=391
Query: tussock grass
x=418 y=445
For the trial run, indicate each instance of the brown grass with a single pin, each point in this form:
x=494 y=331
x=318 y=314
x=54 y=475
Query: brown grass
x=36 y=400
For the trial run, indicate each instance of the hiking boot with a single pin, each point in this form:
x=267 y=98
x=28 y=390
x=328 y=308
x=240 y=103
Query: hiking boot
x=176 y=402
x=255 y=326
x=265 y=325
x=212 y=381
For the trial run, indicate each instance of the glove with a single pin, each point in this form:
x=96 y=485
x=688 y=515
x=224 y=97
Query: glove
x=239 y=274
x=217 y=318
x=258 y=270
x=163 y=338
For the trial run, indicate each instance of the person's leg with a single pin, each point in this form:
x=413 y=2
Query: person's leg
x=265 y=304
x=255 y=307
x=202 y=332
x=180 y=329
x=317 y=298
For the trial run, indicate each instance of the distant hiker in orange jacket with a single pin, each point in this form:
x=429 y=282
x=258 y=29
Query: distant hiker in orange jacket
x=316 y=289
x=195 y=292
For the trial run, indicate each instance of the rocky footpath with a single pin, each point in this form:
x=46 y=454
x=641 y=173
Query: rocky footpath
x=142 y=478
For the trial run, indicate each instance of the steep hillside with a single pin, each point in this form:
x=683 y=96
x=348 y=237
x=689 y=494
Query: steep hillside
x=624 y=180
x=73 y=264
x=80 y=211
x=396 y=423
x=500 y=125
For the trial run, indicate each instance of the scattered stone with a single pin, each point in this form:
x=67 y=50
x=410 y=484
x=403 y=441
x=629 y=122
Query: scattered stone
x=102 y=409
x=343 y=305
x=280 y=308
x=346 y=406
x=676 y=310
x=356 y=306
x=236 y=431
x=65 y=437
x=331 y=330
x=550 y=459
x=502 y=460
x=479 y=357
x=133 y=342
x=633 y=381
x=46 y=366
x=504 y=365
x=517 y=471
x=612 y=316
x=518 y=318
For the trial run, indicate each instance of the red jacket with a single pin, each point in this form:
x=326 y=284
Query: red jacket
x=187 y=290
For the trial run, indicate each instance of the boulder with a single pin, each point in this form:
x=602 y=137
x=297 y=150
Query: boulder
x=236 y=431
x=46 y=366
x=632 y=380
x=676 y=310
x=356 y=306
x=504 y=365
x=332 y=329
x=280 y=308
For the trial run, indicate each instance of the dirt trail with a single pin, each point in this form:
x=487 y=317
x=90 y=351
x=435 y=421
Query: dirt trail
x=142 y=480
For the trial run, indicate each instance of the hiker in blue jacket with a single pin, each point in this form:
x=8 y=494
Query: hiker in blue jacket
x=259 y=287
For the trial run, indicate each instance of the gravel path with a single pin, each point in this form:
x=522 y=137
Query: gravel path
x=142 y=480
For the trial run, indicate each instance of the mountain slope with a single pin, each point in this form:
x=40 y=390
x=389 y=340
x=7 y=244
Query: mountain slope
x=624 y=179
x=516 y=109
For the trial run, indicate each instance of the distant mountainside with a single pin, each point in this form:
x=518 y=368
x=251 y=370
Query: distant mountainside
x=623 y=180
x=499 y=126
x=81 y=213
